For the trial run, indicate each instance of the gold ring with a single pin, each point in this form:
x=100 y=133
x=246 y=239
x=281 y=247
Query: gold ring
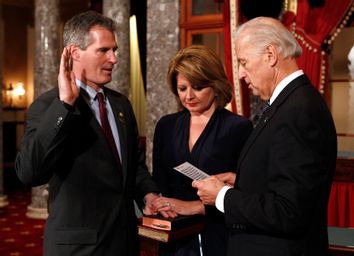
x=167 y=204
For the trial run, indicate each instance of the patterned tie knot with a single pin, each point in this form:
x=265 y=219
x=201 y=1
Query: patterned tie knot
x=261 y=113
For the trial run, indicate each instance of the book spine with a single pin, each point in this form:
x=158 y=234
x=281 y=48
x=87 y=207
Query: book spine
x=153 y=234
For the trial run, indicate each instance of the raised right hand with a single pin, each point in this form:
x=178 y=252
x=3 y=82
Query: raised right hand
x=68 y=90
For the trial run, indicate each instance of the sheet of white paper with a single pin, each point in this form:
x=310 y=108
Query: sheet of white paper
x=191 y=171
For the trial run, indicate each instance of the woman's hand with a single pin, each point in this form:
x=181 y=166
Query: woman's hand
x=179 y=207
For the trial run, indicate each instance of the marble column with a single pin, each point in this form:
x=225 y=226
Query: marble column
x=162 y=45
x=45 y=77
x=119 y=10
x=3 y=198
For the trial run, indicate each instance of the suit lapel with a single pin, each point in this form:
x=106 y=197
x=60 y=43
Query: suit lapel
x=84 y=106
x=119 y=117
x=257 y=130
x=263 y=122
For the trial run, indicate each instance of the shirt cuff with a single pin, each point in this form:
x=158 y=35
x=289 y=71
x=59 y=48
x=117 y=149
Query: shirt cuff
x=219 y=201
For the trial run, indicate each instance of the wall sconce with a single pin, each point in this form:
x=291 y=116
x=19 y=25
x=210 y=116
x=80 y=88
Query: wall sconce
x=14 y=96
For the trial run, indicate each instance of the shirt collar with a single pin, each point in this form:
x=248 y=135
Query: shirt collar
x=91 y=92
x=283 y=83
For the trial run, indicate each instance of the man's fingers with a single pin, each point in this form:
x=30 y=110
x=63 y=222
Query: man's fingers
x=66 y=61
x=196 y=184
x=62 y=61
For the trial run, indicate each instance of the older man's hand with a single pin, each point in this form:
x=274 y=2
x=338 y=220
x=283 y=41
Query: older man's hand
x=208 y=189
x=228 y=178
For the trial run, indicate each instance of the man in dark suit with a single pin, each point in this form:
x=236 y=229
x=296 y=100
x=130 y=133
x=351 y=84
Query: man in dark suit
x=278 y=203
x=93 y=179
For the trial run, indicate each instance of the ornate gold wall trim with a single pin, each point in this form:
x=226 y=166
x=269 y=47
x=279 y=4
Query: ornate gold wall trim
x=233 y=26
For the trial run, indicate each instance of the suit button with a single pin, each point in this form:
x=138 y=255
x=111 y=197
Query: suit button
x=59 y=120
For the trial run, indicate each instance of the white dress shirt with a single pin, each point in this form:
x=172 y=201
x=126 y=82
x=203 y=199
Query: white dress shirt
x=95 y=109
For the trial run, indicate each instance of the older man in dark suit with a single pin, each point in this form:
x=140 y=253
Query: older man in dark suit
x=278 y=203
x=82 y=138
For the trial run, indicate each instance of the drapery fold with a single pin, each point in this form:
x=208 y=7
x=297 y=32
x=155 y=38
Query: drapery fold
x=341 y=205
x=311 y=27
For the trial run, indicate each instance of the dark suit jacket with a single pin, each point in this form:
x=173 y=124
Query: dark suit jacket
x=215 y=151
x=279 y=205
x=91 y=208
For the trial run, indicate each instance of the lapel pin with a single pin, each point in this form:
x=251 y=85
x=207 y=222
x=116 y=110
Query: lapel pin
x=121 y=117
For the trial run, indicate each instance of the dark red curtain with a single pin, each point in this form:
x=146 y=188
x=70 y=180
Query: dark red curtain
x=311 y=26
x=341 y=205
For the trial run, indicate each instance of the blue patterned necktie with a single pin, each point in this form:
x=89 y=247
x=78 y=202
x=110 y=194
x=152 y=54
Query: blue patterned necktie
x=261 y=113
